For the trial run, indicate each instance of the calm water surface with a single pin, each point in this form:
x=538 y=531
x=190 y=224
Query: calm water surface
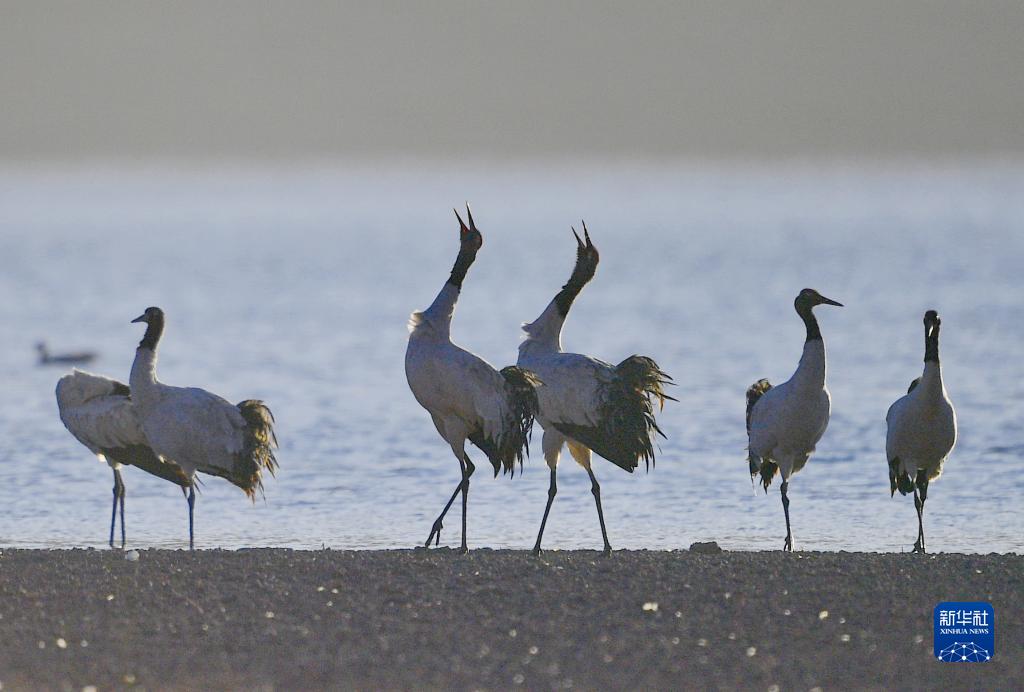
x=295 y=287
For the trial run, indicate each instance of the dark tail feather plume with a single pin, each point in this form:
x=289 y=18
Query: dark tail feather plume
x=515 y=436
x=767 y=469
x=627 y=427
x=899 y=481
x=258 y=453
x=520 y=387
x=639 y=381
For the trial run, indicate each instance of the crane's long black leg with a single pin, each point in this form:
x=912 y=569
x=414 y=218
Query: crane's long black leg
x=919 y=506
x=788 y=545
x=922 y=488
x=468 y=470
x=113 y=511
x=124 y=539
x=191 y=513
x=435 y=530
x=552 y=491
x=595 y=488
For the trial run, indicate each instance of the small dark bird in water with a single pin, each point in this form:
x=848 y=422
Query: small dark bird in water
x=47 y=358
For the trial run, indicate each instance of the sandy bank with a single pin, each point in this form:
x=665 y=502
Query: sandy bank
x=495 y=619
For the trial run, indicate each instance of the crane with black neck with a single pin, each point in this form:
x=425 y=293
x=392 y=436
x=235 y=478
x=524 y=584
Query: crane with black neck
x=785 y=423
x=585 y=403
x=198 y=430
x=466 y=397
x=921 y=429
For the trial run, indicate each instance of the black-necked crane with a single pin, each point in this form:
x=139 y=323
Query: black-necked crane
x=73 y=358
x=921 y=429
x=785 y=423
x=466 y=397
x=198 y=430
x=585 y=403
x=98 y=412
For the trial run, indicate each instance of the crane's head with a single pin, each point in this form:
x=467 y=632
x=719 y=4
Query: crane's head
x=931 y=322
x=154 y=319
x=810 y=298
x=469 y=236
x=586 y=253
x=150 y=316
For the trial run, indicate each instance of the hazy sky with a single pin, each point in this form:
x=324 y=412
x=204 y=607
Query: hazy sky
x=333 y=80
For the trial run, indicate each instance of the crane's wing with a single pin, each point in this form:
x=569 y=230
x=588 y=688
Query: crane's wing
x=504 y=405
x=610 y=409
x=894 y=426
x=195 y=426
x=570 y=393
x=754 y=394
x=98 y=412
x=894 y=433
x=485 y=389
x=208 y=433
x=762 y=413
x=483 y=406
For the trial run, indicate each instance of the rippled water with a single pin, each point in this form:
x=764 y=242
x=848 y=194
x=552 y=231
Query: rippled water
x=295 y=287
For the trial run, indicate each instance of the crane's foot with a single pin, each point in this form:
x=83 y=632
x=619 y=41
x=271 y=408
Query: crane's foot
x=788 y=545
x=536 y=550
x=435 y=533
x=919 y=547
x=463 y=550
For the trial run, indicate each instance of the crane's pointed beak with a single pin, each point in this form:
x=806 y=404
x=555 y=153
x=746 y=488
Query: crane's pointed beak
x=829 y=301
x=140 y=318
x=463 y=228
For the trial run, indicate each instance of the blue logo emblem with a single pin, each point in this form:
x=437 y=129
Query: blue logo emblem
x=965 y=632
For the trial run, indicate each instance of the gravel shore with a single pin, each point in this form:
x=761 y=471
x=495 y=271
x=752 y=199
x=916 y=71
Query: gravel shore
x=283 y=619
